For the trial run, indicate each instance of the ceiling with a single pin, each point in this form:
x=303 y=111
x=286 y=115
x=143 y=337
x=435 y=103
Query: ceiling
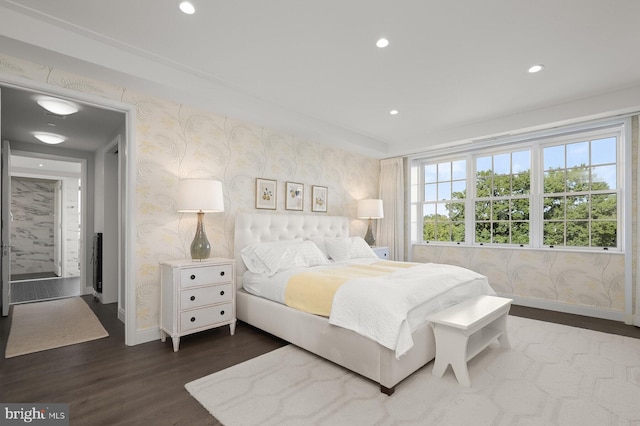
x=455 y=70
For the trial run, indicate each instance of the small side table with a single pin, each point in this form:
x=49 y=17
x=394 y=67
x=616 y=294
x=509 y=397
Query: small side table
x=381 y=252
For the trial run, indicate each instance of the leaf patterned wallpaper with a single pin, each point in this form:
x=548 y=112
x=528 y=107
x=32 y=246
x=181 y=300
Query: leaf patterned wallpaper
x=176 y=141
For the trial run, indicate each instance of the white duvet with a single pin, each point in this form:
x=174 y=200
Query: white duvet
x=388 y=308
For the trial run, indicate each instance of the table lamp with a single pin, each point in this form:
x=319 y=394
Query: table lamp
x=370 y=209
x=200 y=196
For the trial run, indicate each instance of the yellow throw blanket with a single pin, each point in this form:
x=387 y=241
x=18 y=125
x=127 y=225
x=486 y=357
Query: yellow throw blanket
x=313 y=291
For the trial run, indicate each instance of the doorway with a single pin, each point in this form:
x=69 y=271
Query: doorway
x=46 y=228
x=126 y=168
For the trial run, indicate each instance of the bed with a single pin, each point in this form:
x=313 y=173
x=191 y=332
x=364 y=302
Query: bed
x=311 y=332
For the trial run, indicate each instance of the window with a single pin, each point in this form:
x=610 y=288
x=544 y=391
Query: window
x=580 y=194
x=503 y=198
x=552 y=190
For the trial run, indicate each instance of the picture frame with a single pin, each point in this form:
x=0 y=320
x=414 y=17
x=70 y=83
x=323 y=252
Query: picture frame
x=319 y=198
x=294 y=196
x=266 y=194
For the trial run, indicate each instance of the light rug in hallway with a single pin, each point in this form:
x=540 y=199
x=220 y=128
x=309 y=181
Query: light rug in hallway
x=46 y=325
x=554 y=374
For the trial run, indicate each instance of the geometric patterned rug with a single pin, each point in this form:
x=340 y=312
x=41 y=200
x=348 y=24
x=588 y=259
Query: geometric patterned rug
x=553 y=374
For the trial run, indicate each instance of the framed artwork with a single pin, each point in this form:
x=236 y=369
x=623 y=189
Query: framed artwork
x=319 y=195
x=266 y=194
x=294 y=196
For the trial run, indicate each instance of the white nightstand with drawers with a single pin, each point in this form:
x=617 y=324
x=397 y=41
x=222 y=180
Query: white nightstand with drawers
x=196 y=296
x=381 y=252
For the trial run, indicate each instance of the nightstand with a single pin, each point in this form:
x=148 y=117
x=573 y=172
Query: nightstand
x=196 y=296
x=381 y=252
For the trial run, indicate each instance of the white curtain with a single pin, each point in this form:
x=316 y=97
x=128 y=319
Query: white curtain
x=391 y=228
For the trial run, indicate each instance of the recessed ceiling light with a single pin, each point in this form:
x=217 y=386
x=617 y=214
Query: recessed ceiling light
x=49 y=138
x=58 y=106
x=187 y=7
x=394 y=112
x=40 y=165
x=536 y=68
x=383 y=42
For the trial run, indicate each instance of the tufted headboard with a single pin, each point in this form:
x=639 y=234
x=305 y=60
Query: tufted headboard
x=253 y=228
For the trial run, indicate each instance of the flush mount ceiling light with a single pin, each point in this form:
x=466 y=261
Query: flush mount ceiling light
x=536 y=68
x=394 y=112
x=187 y=7
x=49 y=138
x=58 y=106
x=382 y=43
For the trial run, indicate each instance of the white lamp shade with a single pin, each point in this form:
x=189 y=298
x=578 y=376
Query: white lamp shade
x=370 y=209
x=205 y=195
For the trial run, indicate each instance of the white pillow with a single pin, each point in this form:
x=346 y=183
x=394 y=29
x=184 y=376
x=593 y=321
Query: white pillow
x=270 y=258
x=253 y=255
x=338 y=248
x=319 y=241
x=358 y=249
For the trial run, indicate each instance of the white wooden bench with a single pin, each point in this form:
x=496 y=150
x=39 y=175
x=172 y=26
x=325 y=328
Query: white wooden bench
x=462 y=331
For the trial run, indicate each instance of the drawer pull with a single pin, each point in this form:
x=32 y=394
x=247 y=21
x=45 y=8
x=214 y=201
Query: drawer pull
x=193 y=298
x=221 y=312
x=193 y=277
x=222 y=293
x=222 y=273
x=193 y=319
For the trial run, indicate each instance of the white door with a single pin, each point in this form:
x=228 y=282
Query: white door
x=6 y=228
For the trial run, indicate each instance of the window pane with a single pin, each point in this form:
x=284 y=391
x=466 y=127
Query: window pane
x=444 y=171
x=457 y=232
x=429 y=231
x=501 y=210
x=603 y=234
x=483 y=187
x=603 y=151
x=604 y=206
x=554 y=208
x=578 y=234
x=429 y=211
x=554 y=157
x=554 y=182
x=603 y=177
x=444 y=191
x=459 y=169
x=443 y=231
x=414 y=213
x=483 y=232
x=578 y=207
x=430 y=173
x=441 y=212
x=430 y=192
x=520 y=162
x=456 y=211
x=553 y=233
x=483 y=164
x=483 y=210
x=520 y=209
x=501 y=185
x=502 y=164
x=458 y=190
x=414 y=193
x=577 y=154
x=578 y=179
x=501 y=233
x=520 y=184
x=520 y=233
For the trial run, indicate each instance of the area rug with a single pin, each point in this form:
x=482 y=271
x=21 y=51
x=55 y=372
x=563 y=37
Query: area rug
x=554 y=374
x=46 y=325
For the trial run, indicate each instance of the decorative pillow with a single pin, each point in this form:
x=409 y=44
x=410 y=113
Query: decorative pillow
x=338 y=248
x=358 y=249
x=319 y=241
x=270 y=258
x=253 y=255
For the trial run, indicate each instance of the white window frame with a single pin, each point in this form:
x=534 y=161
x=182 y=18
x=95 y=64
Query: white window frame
x=535 y=142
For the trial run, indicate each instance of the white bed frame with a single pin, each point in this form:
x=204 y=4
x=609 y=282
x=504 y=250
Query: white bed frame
x=313 y=332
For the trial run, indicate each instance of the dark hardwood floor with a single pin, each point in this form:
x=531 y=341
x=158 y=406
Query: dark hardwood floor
x=108 y=383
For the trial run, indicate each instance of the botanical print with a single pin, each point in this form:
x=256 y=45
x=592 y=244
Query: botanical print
x=295 y=196
x=266 y=194
x=319 y=198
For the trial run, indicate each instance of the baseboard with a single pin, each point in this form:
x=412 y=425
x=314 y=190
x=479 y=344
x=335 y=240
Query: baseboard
x=121 y=315
x=149 y=335
x=567 y=308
